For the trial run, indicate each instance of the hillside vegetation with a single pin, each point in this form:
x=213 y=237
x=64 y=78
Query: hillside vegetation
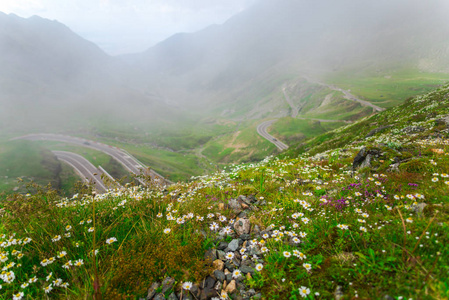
x=361 y=211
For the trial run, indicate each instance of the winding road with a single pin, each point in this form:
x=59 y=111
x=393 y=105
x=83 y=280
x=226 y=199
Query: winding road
x=122 y=156
x=262 y=130
x=347 y=94
x=84 y=168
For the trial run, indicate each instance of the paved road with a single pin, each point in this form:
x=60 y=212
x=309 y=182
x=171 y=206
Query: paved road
x=127 y=160
x=84 y=168
x=326 y=121
x=347 y=94
x=262 y=130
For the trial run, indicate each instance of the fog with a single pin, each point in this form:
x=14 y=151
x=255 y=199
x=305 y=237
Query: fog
x=53 y=80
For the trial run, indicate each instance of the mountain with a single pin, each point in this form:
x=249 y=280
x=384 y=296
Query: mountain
x=51 y=78
x=299 y=37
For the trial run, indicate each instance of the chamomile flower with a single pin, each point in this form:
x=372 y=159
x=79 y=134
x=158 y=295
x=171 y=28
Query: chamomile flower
x=48 y=289
x=18 y=296
x=229 y=255
x=111 y=240
x=307 y=266
x=259 y=267
x=304 y=291
x=167 y=230
x=237 y=273
x=187 y=285
x=287 y=254
x=79 y=263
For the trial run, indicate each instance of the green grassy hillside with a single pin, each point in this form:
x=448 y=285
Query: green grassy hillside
x=359 y=212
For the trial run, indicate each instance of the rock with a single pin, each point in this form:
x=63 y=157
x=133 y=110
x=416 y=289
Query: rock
x=255 y=250
x=387 y=297
x=242 y=215
x=246 y=269
x=207 y=294
x=195 y=290
x=209 y=282
x=233 y=245
x=367 y=162
x=218 y=286
x=251 y=198
x=221 y=206
x=222 y=245
x=231 y=287
x=359 y=158
x=257 y=296
x=256 y=229
x=251 y=292
x=218 y=265
x=172 y=296
x=185 y=296
x=229 y=266
x=221 y=255
x=242 y=226
x=338 y=293
x=377 y=130
x=159 y=297
x=152 y=290
x=248 y=276
x=234 y=204
x=220 y=276
x=167 y=284
x=245 y=236
x=210 y=255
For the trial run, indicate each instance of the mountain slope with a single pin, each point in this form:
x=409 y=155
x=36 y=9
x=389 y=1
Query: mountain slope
x=296 y=38
x=52 y=79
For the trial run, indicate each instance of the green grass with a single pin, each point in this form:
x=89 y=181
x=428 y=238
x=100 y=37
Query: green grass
x=29 y=162
x=390 y=89
x=295 y=129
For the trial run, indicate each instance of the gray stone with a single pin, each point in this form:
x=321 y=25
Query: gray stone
x=209 y=282
x=359 y=158
x=172 y=296
x=251 y=292
x=211 y=254
x=247 y=269
x=222 y=245
x=221 y=255
x=219 y=275
x=367 y=162
x=195 y=290
x=208 y=293
x=388 y=297
x=159 y=297
x=234 y=204
x=245 y=236
x=242 y=226
x=257 y=296
x=152 y=290
x=233 y=245
x=256 y=229
x=377 y=130
x=167 y=284
x=218 y=285
x=229 y=277
x=242 y=215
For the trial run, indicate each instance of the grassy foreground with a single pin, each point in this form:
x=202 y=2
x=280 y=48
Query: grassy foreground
x=381 y=230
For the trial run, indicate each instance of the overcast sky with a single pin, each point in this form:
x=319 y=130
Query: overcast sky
x=126 y=26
